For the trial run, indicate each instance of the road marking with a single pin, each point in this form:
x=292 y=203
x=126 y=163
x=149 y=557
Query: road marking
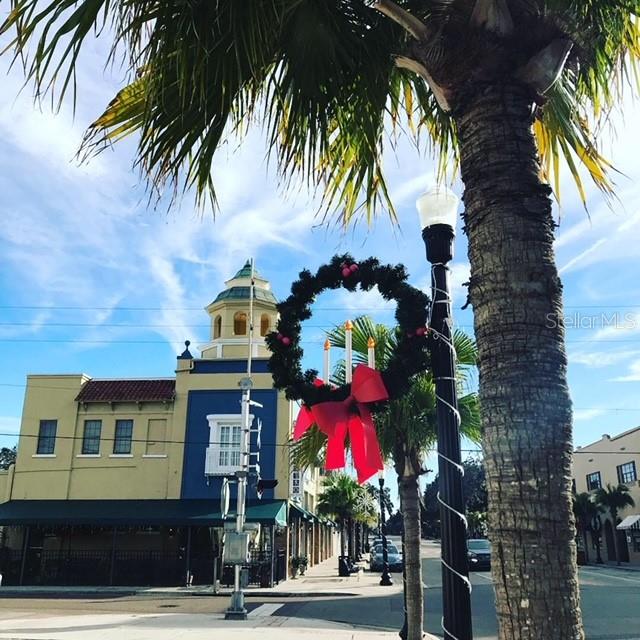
x=265 y=610
x=485 y=576
x=608 y=575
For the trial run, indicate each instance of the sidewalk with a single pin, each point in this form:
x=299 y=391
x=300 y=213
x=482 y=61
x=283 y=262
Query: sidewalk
x=169 y=626
x=322 y=580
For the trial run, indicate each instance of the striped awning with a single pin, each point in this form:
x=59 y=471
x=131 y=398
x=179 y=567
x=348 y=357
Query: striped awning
x=630 y=522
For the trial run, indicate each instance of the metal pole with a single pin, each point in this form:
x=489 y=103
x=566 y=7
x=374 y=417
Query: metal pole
x=237 y=610
x=456 y=587
x=385 y=578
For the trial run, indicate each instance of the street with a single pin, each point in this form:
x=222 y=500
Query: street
x=610 y=598
x=610 y=603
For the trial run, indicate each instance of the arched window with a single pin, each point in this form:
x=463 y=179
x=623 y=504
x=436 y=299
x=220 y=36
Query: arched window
x=240 y=323
x=217 y=327
x=264 y=324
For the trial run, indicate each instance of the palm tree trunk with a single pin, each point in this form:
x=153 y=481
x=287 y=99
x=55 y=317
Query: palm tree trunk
x=350 y=538
x=586 y=549
x=410 y=501
x=614 y=519
x=516 y=295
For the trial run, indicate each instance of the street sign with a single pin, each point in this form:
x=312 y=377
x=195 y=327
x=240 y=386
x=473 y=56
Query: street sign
x=225 y=494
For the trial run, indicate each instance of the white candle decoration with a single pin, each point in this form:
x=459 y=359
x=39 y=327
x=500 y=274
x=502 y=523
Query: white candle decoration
x=348 y=327
x=371 y=353
x=327 y=362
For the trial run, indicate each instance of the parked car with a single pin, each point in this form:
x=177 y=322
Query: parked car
x=393 y=555
x=479 y=554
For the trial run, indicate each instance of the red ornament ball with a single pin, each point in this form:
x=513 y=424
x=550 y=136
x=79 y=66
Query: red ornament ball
x=279 y=336
x=346 y=272
x=420 y=331
x=286 y=341
x=353 y=268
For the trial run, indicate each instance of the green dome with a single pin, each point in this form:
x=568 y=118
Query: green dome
x=242 y=293
x=245 y=272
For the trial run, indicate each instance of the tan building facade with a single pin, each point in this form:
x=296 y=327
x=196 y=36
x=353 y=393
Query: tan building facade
x=614 y=460
x=124 y=476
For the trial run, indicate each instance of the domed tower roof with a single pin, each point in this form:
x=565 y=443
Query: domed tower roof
x=229 y=314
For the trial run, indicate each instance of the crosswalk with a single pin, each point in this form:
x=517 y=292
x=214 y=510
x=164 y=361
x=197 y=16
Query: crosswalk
x=265 y=610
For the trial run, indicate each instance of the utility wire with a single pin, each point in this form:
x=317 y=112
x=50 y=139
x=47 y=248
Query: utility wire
x=263 y=444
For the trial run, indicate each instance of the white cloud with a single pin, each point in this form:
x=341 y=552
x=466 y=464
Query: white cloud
x=600 y=359
x=359 y=303
x=581 y=415
x=633 y=374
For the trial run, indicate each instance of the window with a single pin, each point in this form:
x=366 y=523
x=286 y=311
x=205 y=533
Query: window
x=627 y=473
x=156 y=437
x=47 y=437
x=593 y=481
x=223 y=453
x=264 y=324
x=217 y=327
x=229 y=454
x=91 y=437
x=122 y=440
x=240 y=323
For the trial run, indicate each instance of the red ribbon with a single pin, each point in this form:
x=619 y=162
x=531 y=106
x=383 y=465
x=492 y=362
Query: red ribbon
x=351 y=416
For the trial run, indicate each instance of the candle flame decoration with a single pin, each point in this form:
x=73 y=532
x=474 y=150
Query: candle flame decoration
x=326 y=363
x=371 y=353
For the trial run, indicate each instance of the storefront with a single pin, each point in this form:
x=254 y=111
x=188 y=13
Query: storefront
x=129 y=542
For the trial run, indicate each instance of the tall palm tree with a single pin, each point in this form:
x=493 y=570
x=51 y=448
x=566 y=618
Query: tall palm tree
x=407 y=429
x=345 y=500
x=614 y=499
x=585 y=509
x=505 y=87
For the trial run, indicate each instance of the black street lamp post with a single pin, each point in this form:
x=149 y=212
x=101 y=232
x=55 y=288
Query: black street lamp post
x=438 y=212
x=385 y=578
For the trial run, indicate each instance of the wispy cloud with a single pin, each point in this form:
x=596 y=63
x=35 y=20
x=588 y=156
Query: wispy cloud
x=633 y=374
x=582 y=415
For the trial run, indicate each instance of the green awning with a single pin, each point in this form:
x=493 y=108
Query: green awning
x=300 y=512
x=134 y=512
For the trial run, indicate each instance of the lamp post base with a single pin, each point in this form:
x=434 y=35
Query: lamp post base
x=385 y=580
x=236 y=610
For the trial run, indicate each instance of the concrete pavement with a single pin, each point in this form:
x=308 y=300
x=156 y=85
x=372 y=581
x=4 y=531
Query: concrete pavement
x=169 y=626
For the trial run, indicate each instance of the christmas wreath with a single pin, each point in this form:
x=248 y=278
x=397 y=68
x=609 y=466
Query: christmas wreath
x=346 y=410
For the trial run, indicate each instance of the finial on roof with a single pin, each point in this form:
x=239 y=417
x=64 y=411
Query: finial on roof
x=186 y=354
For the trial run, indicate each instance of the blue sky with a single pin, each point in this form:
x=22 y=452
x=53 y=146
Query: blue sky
x=92 y=280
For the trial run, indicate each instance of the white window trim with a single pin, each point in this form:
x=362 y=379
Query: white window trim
x=88 y=455
x=121 y=455
x=154 y=455
x=212 y=467
x=44 y=455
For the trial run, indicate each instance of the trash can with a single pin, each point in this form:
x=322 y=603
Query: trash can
x=344 y=566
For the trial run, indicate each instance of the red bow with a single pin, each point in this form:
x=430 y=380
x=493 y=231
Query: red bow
x=351 y=416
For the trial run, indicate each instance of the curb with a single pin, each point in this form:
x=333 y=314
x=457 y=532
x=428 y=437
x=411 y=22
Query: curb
x=117 y=593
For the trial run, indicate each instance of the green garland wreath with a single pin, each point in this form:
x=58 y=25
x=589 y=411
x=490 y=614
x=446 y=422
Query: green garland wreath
x=409 y=357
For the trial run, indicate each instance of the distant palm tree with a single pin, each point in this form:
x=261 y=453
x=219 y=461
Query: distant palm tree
x=406 y=430
x=348 y=503
x=614 y=499
x=584 y=510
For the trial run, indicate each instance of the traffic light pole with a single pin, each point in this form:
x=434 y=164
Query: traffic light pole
x=237 y=610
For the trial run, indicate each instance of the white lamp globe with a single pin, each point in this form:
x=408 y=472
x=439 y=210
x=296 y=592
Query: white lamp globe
x=438 y=205
x=381 y=474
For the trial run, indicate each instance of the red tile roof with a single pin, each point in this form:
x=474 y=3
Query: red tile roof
x=127 y=391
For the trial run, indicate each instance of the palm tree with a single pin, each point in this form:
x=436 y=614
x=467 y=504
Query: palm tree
x=507 y=88
x=407 y=429
x=614 y=499
x=584 y=510
x=345 y=500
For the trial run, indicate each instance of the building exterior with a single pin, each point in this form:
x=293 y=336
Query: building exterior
x=119 y=481
x=614 y=460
